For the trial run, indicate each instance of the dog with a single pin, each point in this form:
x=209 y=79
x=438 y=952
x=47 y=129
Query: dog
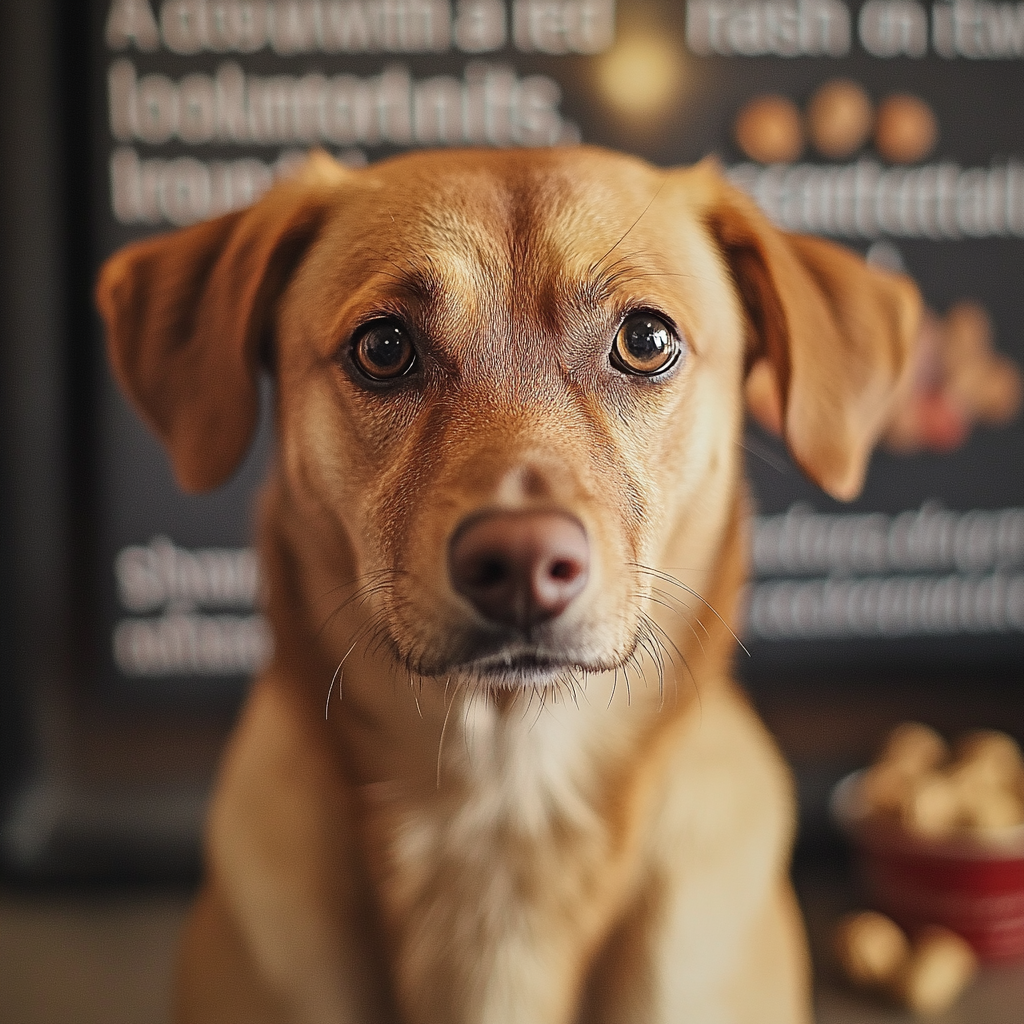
x=497 y=771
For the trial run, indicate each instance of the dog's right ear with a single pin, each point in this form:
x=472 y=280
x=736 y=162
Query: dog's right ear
x=186 y=314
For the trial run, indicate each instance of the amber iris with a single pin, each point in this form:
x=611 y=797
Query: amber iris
x=383 y=350
x=645 y=345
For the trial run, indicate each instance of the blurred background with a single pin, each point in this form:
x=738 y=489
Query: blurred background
x=129 y=622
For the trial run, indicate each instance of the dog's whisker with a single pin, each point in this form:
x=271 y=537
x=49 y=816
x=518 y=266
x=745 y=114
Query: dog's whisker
x=334 y=679
x=444 y=726
x=624 y=271
x=615 y=682
x=658 y=649
x=689 y=625
x=662 y=643
x=410 y=275
x=677 y=602
x=380 y=637
x=366 y=583
x=542 y=697
x=339 y=671
x=515 y=697
x=597 y=273
x=572 y=689
x=644 y=643
x=655 y=649
x=330 y=617
x=366 y=591
x=680 y=607
x=529 y=703
x=756 y=447
x=415 y=695
x=645 y=654
x=597 y=264
x=360 y=633
x=585 y=675
x=653 y=622
x=361 y=578
x=666 y=577
x=682 y=658
x=657 y=628
x=473 y=695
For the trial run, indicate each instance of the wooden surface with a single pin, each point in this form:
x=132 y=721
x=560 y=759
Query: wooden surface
x=826 y=892
x=106 y=958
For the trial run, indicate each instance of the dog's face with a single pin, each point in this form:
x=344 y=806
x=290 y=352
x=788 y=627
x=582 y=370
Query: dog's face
x=512 y=382
x=521 y=336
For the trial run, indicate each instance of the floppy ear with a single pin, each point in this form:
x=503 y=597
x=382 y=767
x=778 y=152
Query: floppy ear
x=830 y=344
x=187 y=312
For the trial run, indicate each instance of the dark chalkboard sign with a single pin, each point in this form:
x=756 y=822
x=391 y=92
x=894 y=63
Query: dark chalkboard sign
x=183 y=109
x=200 y=104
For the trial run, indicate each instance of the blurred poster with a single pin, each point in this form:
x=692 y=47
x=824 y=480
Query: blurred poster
x=894 y=126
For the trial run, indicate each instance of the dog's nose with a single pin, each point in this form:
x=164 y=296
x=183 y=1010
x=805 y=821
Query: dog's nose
x=520 y=568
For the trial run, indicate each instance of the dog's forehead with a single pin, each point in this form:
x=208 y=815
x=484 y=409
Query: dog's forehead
x=489 y=221
x=518 y=191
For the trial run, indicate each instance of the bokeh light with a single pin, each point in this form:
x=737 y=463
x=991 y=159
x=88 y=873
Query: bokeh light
x=641 y=75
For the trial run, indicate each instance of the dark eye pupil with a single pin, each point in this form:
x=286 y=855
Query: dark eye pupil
x=646 y=339
x=386 y=347
x=383 y=350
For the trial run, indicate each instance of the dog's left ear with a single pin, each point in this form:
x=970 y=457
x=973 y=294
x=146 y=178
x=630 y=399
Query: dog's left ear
x=186 y=314
x=831 y=338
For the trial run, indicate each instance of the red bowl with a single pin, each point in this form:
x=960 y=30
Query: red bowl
x=976 y=888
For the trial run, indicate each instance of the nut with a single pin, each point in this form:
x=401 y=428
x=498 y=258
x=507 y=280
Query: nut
x=883 y=789
x=915 y=748
x=993 y=752
x=940 y=966
x=980 y=793
x=870 y=947
x=905 y=129
x=994 y=812
x=839 y=118
x=933 y=807
x=768 y=130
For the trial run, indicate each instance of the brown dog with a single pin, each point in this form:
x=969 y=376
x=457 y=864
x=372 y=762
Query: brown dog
x=507 y=520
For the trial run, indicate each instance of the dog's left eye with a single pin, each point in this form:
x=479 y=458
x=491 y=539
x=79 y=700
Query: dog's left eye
x=383 y=350
x=645 y=345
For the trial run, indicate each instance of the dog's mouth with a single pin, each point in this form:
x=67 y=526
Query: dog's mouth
x=524 y=666
x=513 y=670
x=555 y=656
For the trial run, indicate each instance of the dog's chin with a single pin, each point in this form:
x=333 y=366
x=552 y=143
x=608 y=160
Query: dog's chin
x=518 y=671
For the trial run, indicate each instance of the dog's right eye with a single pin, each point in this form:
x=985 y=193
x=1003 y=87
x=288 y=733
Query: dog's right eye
x=382 y=350
x=645 y=346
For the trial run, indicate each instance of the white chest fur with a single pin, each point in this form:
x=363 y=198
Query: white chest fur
x=513 y=867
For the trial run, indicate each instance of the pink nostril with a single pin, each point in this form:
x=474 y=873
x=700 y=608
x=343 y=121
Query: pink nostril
x=519 y=568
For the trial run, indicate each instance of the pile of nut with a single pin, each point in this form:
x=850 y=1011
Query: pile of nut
x=933 y=793
x=926 y=976
x=976 y=789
